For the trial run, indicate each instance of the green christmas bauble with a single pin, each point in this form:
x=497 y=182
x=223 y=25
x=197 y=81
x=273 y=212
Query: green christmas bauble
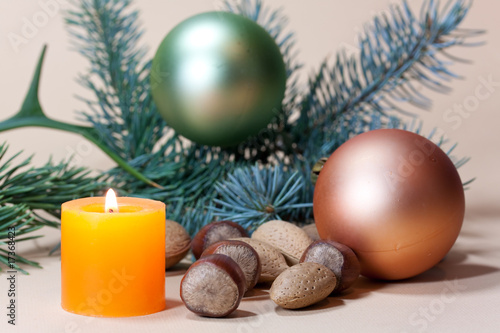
x=218 y=78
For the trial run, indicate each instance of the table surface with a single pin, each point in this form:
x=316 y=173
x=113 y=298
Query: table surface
x=460 y=294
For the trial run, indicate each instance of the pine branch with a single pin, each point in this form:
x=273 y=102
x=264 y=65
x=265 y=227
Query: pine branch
x=275 y=22
x=107 y=33
x=396 y=51
x=192 y=215
x=253 y=195
x=32 y=114
x=25 y=192
x=355 y=94
x=266 y=145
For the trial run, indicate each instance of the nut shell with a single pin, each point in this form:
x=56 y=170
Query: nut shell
x=243 y=254
x=339 y=258
x=214 y=232
x=271 y=259
x=302 y=285
x=177 y=243
x=286 y=237
x=311 y=231
x=213 y=286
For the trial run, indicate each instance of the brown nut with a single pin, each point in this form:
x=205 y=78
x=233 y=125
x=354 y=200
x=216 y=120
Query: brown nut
x=339 y=258
x=177 y=243
x=214 y=232
x=243 y=254
x=286 y=237
x=213 y=286
x=271 y=259
x=302 y=285
x=311 y=231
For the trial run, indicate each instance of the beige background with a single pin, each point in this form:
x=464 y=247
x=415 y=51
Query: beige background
x=321 y=28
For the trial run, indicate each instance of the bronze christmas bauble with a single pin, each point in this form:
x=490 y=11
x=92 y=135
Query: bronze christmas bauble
x=218 y=78
x=395 y=198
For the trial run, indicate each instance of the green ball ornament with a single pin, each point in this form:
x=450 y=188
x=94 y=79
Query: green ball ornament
x=218 y=78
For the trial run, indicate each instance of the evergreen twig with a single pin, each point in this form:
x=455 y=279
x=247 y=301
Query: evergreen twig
x=24 y=193
x=253 y=195
x=354 y=94
x=358 y=91
x=268 y=144
x=107 y=34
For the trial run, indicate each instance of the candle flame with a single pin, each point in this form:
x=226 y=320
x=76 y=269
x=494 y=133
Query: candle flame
x=111 y=205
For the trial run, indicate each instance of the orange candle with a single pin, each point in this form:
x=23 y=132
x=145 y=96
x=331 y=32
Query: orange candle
x=113 y=258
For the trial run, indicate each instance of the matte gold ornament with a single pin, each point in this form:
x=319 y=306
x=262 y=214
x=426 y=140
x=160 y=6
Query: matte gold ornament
x=218 y=78
x=395 y=198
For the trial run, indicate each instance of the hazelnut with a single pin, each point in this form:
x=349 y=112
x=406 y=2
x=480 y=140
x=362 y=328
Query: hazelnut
x=213 y=286
x=339 y=258
x=177 y=243
x=214 y=232
x=271 y=259
x=243 y=254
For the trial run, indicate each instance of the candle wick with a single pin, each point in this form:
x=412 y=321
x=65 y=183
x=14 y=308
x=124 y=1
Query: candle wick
x=111 y=210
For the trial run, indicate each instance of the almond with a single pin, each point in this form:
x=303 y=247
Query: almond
x=311 y=231
x=271 y=259
x=286 y=237
x=302 y=285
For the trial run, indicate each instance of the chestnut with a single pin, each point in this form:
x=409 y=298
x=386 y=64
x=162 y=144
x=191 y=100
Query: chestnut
x=214 y=232
x=243 y=254
x=339 y=258
x=213 y=286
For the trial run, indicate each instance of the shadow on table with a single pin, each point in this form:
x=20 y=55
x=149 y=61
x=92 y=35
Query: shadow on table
x=478 y=212
x=178 y=269
x=328 y=304
x=172 y=303
x=362 y=287
x=452 y=270
x=235 y=316
x=259 y=293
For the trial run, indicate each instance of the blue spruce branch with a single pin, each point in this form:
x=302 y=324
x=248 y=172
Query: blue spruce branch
x=25 y=190
x=275 y=137
x=254 y=195
x=354 y=94
x=396 y=52
x=107 y=34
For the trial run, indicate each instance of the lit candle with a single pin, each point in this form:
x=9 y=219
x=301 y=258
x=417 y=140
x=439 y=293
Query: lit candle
x=113 y=256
